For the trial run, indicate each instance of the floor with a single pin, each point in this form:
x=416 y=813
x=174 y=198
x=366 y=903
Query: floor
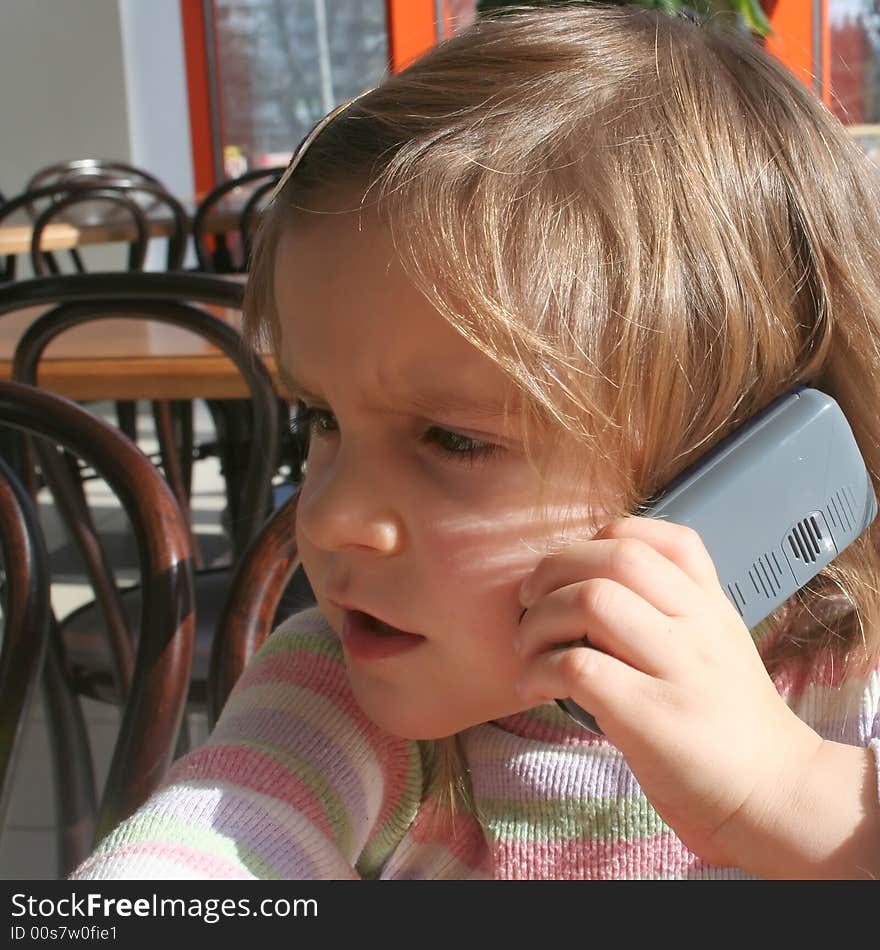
x=27 y=845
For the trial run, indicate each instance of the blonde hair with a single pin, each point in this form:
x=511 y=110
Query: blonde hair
x=651 y=226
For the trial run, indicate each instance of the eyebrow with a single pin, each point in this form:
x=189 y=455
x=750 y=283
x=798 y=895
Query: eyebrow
x=426 y=401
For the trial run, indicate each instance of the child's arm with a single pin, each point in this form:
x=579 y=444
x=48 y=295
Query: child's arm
x=677 y=685
x=293 y=783
x=827 y=826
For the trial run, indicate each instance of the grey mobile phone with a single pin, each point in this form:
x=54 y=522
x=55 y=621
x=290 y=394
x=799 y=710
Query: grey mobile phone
x=774 y=503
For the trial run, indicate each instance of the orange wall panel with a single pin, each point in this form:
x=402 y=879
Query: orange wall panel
x=411 y=31
x=196 y=56
x=792 y=39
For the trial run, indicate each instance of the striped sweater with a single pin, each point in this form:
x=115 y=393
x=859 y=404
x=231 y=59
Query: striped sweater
x=295 y=782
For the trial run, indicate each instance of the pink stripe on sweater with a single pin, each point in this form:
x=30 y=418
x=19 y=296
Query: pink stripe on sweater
x=655 y=856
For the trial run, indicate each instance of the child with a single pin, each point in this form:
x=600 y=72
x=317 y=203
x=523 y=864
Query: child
x=517 y=289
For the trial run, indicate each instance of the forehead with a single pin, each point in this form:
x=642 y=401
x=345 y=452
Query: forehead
x=347 y=308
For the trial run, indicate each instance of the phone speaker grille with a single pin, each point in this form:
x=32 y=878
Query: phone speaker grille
x=806 y=541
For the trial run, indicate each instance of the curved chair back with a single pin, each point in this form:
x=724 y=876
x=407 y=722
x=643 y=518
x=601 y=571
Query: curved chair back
x=25 y=624
x=250 y=613
x=99 y=197
x=90 y=170
x=246 y=193
x=155 y=703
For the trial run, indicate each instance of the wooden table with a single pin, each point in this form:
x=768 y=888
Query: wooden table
x=131 y=359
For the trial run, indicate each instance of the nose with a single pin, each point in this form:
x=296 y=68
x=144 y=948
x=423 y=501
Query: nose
x=347 y=505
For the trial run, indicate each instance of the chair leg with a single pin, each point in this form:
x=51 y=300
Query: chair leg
x=183 y=415
x=78 y=492
x=221 y=259
x=74 y=775
x=126 y=418
x=170 y=452
x=233 y=422
x=10 y=448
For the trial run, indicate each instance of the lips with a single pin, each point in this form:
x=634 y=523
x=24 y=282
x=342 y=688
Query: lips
x=365 y=637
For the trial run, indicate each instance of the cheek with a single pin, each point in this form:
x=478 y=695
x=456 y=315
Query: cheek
x=479 y=565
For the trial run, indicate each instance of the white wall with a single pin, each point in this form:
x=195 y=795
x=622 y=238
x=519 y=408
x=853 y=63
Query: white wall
x=156 y=96
x=155 y=79
x=63 y=83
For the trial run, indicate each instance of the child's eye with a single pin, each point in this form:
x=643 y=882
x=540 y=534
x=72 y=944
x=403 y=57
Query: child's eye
x=309 y=419
x=457 y=446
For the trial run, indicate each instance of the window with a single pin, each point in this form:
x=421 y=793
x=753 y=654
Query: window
x=279 y=65
x=854 y=33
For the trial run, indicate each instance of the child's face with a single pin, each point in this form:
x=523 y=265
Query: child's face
x=418 y=505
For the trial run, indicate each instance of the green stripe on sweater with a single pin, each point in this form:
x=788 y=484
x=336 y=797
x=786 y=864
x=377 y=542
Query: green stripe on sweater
x=160 y=828
x=568 y=819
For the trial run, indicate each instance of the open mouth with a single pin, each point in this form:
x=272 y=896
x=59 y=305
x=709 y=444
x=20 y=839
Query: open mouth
x=365 y=637
x=379 y=626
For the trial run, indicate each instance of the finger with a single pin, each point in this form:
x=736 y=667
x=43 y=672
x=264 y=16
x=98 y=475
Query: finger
x=610 y=616
x=615 y=694
x=679 y=543
x=630 y=561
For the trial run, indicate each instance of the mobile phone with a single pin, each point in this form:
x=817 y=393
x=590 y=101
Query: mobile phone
x=774 y=503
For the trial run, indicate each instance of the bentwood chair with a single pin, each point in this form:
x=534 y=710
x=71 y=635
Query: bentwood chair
x=232 y=249
x=155 y=678
x=89 y=172
x=25 y=619
x=268 y=585
x=104 y=204
x=176 y=299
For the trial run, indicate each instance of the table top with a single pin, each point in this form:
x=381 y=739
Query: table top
x=131 y=359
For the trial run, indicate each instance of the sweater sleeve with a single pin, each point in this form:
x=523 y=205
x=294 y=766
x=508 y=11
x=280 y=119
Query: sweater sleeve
x=294 y=782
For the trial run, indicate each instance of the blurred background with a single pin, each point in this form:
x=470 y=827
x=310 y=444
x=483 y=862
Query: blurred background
x=201 y=90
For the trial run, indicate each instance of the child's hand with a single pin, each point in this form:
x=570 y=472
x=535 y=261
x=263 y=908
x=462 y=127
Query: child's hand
x=674 y=681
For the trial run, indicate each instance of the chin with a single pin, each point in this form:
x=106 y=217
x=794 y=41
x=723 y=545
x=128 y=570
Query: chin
x=415 y=720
